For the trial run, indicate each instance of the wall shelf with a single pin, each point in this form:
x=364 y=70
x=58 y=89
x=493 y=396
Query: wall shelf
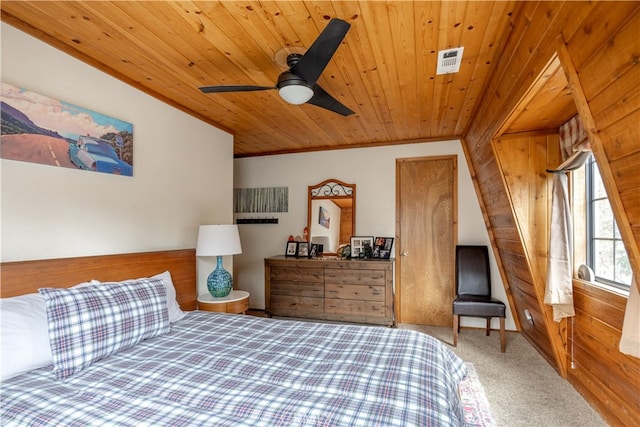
x=257 y=221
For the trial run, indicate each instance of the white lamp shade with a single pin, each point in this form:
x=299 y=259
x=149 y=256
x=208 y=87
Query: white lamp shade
x=296 y=94
x=215 y=240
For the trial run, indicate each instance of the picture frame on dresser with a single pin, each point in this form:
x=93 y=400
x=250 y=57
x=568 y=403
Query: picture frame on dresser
x=361 y=246
x=315 y=250
x=303 y=249
x=291 y=249
x=382 y=247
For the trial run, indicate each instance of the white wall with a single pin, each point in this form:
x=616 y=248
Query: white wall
x=183 y=171
x=373 y=171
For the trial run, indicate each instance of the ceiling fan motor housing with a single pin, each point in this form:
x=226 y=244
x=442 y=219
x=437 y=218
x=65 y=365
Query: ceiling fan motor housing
x=293 y=88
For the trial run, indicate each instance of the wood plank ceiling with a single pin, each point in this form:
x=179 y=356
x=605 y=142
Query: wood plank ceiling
x=385 y=70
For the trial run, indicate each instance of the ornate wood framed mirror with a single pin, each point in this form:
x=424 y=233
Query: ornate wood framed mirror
x=331 y=214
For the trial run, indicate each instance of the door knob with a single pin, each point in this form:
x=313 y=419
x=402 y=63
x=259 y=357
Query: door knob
x=404 y=253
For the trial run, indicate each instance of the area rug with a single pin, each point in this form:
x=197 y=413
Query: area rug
x=476 y=406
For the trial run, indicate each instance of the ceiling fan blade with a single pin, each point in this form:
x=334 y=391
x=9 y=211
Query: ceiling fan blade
x=233 y=88
x=324 y=100
x=316 y=58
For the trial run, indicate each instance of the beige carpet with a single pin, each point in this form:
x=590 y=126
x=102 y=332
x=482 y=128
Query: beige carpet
x=521 y=387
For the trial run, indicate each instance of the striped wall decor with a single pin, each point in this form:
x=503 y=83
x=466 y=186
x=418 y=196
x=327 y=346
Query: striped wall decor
x=271 y=199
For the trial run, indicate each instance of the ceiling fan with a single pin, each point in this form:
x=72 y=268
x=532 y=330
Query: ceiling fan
x=298 y=84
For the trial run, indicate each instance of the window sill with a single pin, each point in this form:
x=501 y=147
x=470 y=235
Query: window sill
x=608 y=288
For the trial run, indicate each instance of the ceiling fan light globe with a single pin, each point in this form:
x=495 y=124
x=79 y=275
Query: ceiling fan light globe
x=295 y=94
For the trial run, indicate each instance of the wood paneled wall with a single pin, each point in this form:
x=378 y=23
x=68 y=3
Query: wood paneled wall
x=598 y=47
x=606 y=377
x=605 y=78
x=522 y=162
x=590 y=341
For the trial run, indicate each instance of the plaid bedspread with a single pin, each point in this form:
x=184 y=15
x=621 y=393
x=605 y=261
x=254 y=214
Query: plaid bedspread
x=231 y=370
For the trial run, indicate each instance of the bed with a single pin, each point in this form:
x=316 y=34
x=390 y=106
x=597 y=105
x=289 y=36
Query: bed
x=213 y=368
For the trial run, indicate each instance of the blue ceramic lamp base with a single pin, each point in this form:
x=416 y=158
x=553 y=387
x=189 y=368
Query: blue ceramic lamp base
x=219 y=282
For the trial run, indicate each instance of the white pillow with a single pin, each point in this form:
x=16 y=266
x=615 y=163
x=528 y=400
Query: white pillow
x=175 y=313
x=24 y=334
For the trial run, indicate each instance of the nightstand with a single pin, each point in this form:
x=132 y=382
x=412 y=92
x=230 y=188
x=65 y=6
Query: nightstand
x=235 y=302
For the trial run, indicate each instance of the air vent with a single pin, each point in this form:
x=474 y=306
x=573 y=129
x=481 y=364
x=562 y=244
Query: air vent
x=449 y=60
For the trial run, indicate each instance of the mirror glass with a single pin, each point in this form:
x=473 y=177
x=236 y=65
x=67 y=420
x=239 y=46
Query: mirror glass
x=331 y=214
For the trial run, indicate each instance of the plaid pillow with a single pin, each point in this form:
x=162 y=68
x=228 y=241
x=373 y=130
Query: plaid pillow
x=89 y=323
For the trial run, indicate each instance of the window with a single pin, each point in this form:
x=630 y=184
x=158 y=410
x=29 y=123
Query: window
x=606 y=254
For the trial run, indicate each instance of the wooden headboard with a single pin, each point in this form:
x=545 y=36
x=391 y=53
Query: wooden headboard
x=23 y=277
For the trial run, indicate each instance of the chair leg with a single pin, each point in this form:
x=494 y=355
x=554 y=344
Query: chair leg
x=488 y=326
x=456 y=323
x=503 y=335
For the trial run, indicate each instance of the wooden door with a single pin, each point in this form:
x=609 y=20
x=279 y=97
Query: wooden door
x=426 y=228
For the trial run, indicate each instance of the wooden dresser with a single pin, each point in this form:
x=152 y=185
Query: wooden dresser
x=330 y=289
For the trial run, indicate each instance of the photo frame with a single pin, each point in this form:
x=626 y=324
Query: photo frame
x=291 y=249
x=316 y=250
x=382 y=247
x=361 y=246
x=303 y=249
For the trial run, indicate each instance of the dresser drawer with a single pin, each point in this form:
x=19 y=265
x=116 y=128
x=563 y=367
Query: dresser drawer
x=300 y=289
x=297 y=274
x=356 y=277
x=354 y=292
x=354 y=307
x=283 y=305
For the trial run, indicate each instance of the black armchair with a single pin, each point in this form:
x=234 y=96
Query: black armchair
x=473 y=291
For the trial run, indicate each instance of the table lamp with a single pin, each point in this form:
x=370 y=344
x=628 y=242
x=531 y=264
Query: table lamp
x=219 y=240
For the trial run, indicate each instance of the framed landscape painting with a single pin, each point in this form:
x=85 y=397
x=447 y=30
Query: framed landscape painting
x=48 y=131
